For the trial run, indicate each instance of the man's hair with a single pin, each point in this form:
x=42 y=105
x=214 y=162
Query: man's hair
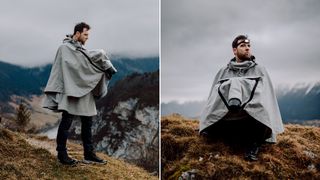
x=235 y=41
x=80 y=26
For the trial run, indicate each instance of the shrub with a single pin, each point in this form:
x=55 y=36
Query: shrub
x=23 y=117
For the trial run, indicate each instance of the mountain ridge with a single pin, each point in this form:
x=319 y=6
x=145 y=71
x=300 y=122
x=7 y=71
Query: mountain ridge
x=297 y=103
x=28 y=81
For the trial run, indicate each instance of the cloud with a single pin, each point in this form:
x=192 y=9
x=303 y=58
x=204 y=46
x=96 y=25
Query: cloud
x=32 y=30
x=196 y=41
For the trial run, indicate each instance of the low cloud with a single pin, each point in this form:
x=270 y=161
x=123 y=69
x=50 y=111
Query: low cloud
x=197 y=36
x=32 y=30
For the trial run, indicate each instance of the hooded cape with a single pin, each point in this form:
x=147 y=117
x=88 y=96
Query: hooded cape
x=77 y=76
x=251 y=84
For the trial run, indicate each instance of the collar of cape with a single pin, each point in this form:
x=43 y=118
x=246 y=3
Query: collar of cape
x=68 y=39
x=245 y=65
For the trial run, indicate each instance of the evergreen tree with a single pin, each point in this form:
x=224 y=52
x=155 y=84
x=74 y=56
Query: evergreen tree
x=23 y=116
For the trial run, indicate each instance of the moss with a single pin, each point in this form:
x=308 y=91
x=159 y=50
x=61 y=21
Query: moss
x=179 y=171
x=6 y=134
x=182 y=130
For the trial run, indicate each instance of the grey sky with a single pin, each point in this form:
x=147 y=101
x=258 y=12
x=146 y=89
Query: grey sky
x=32 y=30
x=196 y=41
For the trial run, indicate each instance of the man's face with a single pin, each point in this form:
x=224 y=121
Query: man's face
x=83 y=36
x=242 y=51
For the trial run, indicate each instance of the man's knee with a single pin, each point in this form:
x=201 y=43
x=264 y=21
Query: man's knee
x=66 y=120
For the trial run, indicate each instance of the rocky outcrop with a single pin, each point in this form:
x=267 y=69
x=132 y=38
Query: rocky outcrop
x=127 y=124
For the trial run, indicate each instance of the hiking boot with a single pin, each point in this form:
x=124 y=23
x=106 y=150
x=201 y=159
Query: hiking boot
x=91 y=157
x=65 y=159
x=252 y=153
x=204 y=134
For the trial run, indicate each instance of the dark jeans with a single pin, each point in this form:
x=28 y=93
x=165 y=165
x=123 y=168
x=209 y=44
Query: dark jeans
x=247 y=130
x=63 y=132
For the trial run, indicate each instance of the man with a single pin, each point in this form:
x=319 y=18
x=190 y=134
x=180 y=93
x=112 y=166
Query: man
x=242 y=103
x=77 y=78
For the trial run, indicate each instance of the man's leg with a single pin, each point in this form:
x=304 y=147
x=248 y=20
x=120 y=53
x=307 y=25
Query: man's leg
x=86 y=135
x=260 y=133
x=62 y=136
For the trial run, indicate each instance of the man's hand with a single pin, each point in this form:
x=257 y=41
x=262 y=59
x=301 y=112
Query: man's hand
x=109 y=72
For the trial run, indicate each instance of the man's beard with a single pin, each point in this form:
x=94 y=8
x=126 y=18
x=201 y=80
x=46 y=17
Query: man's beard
x=82 y=42
x=244 y=57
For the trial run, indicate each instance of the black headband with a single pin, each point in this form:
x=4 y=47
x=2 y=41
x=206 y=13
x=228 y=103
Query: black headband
x=242 y=41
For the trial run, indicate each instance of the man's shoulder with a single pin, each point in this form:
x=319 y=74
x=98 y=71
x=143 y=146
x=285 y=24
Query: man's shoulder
x=260 y=67
x=223 y=68
x=66 y=46
x=61 y=46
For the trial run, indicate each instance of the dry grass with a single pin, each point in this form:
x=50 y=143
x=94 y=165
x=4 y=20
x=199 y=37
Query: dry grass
x=295 y=156
x=20 y=160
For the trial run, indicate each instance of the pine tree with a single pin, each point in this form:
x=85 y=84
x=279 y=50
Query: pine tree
x=23 y=116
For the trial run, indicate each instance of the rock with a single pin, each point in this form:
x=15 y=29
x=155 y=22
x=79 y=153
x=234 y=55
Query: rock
x=216 y=156
x=311 y=167
x=310 y=154
x=124 y=108
x=127 y=124
x=188 y=175
x=201 y=159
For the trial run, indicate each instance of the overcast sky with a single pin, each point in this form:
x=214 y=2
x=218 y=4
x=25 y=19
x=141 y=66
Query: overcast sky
x=32 y=30
x=197 y=35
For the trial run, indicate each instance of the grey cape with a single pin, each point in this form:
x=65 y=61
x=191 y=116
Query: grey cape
x=77 y=78
x=250 y=83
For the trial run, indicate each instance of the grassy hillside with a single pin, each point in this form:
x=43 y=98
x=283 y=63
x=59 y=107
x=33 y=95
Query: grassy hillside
x=185 y=153
x=21 y=160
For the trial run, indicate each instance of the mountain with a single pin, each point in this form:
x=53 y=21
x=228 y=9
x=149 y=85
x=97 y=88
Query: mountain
x=34 y=157
x=297 y=103
x=186 y=155
x=127 y=125
x=126 y=66
x=17 y=80
x=22 y=81
x=188 y=109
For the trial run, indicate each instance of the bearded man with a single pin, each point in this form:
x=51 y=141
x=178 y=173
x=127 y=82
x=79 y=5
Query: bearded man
x=242 y=103
x=78 y=77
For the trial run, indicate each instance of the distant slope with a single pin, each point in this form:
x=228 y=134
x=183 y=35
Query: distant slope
x=301 y=102
x=186 y=154
x=188 y=109
x=21 y=81
x=20 y=160
x=126 y=66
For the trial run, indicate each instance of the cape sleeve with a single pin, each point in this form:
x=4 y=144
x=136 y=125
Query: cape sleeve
x=215 y=81
x=101 y=59
x=210 y=103
x=272 y=104
x=55 y=81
